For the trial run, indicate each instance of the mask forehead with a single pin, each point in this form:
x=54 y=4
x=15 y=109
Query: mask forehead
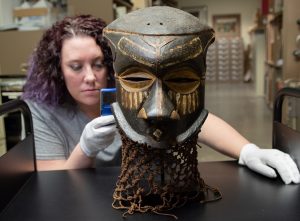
x=159 y=21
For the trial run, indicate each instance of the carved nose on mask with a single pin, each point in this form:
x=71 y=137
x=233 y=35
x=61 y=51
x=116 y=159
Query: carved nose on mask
x=158 y=106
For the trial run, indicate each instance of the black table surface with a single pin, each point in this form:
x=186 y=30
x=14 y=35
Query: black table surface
x=86 y=195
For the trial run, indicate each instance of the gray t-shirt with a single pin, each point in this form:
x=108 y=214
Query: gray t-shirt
x=57 y=131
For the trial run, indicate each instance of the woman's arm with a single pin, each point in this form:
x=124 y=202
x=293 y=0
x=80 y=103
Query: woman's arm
x=97 y=135
x=219 y=135
x=77 y=160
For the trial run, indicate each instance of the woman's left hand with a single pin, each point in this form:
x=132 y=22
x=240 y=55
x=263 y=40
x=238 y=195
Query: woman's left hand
x=266 y=161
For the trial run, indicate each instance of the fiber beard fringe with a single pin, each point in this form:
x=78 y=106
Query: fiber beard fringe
x=159 y=180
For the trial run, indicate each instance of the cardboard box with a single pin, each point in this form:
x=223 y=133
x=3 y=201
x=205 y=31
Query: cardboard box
x=99 y=9
x=15 y=50
x=25 y=12
x=138 y=4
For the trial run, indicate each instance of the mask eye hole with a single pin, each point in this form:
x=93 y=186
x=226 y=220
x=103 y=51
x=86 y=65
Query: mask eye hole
x=183 y=81
x=180 y=80
x=136 y=80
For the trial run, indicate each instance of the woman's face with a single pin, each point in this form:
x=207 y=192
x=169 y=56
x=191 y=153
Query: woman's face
x=83 y=70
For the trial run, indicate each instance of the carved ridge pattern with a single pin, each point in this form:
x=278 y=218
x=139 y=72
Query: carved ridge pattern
x=192 y=48
x=188 y=50
x=132 y=100
x=185 y=103
x=125 y=44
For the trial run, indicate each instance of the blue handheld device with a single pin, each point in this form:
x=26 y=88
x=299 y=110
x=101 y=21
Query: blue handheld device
x=107 y=96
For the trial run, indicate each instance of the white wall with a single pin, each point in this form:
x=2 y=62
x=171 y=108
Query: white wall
x=247 y=9
x=6 y=7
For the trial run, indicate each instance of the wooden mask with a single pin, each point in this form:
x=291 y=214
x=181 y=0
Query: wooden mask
x=159 y=62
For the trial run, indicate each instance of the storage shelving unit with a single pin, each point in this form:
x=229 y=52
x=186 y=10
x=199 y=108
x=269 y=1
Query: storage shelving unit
x=225 y=60
x=281 y=32
x=282 y=67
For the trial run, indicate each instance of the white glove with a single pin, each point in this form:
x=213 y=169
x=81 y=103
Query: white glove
x=97 y=135
x=266 y=161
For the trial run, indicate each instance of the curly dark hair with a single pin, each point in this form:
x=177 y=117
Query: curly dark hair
x=45 y=83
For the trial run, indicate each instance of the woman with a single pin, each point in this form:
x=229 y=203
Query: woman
x=71 y=63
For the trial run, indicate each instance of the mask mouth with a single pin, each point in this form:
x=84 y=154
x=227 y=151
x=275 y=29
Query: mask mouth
x=160 y=122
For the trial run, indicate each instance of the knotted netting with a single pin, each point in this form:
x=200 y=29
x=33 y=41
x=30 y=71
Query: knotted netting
x=158 y=180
